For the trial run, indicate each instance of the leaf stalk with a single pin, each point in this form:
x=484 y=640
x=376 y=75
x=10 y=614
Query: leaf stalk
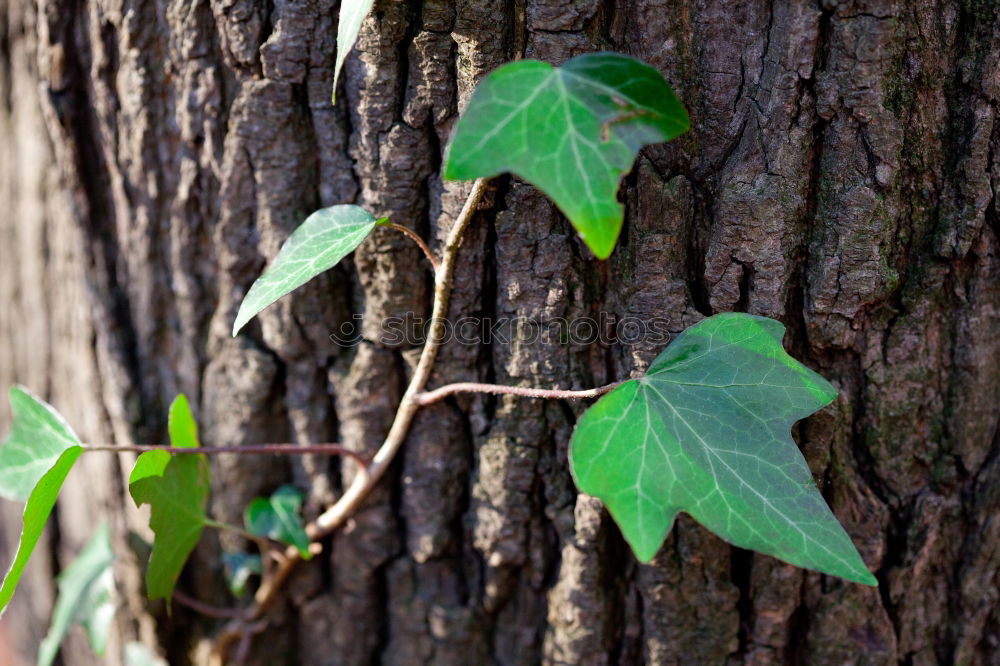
x=421 y=243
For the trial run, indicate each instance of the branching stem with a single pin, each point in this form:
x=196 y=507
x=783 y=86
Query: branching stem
x=363 y=483
x=413 y=399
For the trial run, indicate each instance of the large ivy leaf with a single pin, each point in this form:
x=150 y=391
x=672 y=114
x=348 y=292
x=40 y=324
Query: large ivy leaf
x=85 y=597
x=278 y=518
x=707 y=431
x=326 y=237
x=34 y=461
x=573 y=131
x=352 y=13
x=176 y=488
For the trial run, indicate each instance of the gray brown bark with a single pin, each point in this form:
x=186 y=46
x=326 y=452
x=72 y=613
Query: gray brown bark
x=841 y=175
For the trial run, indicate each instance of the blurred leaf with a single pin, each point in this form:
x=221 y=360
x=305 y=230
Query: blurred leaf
x=85 y=597
x=278 y=518
x=36 y=441
x=34 y=461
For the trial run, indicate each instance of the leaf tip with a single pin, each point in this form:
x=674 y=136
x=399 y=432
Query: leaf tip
x=601 y=250
x=645 y=554
x=863 y=576
x=240 y=321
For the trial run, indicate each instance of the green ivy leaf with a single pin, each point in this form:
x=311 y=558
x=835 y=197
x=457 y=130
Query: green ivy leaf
x=34 y=461
x=85 y=597
x=176 y=488
x=38 y=438
x=707 y=431
x=326 y=237
x=278 y=518
x=352 y=13
x=574 y=131
x=239 y=568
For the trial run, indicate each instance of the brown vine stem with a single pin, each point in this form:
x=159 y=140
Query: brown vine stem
x=363 y=482
x=430 y=397
x=251 y=449
x=208 y=610
x=416 y=239
x=408 y=406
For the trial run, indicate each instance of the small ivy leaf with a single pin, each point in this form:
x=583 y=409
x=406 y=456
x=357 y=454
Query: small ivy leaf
x=38 y=438
x=176 y=488
x=85 y=597
x=317 y=245
x=278 y=518
x=707 y=431
x=137 y=654
x=239 y=568
x=34 y=461
x=574 y=131
x=352 y=13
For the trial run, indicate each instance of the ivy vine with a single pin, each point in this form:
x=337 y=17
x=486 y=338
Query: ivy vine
x=705 y=430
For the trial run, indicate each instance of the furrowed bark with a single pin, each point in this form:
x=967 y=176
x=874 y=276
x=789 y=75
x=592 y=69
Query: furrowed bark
x=841 y=176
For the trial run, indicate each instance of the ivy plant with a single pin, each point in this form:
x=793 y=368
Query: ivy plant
x=705 y=430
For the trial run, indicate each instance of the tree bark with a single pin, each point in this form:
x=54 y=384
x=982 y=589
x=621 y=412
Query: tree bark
x=841 y=176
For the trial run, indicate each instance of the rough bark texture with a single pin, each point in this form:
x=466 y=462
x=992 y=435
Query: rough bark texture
x=841 y=175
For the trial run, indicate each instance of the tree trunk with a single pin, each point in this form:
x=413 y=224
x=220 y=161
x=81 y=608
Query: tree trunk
x=841 y=176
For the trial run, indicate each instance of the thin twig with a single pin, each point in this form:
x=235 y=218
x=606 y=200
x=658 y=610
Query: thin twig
x=429 y=397
x=416 y=239
x=250 y=449
x=208 y=610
